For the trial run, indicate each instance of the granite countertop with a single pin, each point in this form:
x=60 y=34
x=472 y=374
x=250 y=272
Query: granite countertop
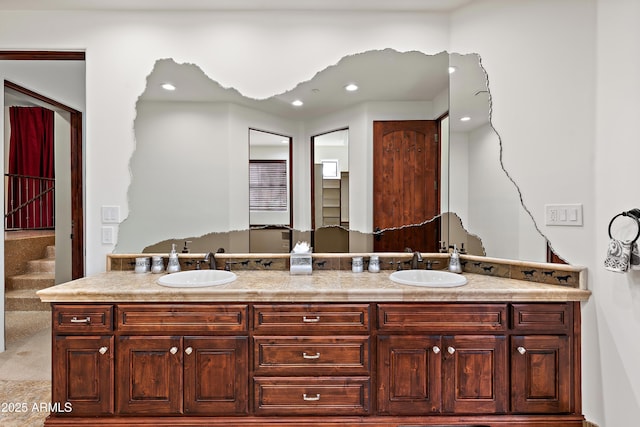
x=321 y=286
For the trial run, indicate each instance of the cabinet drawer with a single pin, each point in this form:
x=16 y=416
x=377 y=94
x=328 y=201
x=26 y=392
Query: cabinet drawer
x=312 y=356
x=312 y=396
x=82 y=318
x=442 y=317
x=555 y=318
x=181 y=318
x=311 y=318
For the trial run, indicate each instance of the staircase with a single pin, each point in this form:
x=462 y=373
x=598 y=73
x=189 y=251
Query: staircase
x=20 y=290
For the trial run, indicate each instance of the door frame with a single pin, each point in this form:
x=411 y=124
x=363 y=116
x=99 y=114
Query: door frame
x=77 y=192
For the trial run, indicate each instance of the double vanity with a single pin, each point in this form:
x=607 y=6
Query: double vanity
x=334 y=348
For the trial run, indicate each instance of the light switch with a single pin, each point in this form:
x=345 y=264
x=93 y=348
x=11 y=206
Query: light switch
x=567 y=215
x=111 y=214
x=108 y=235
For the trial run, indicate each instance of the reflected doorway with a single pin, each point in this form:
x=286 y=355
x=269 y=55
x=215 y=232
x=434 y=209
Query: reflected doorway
x=330 y=191
x=270 y=195
x=406 y=185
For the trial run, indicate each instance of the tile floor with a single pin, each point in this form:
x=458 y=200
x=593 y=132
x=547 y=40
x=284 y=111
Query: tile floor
x=25 y=369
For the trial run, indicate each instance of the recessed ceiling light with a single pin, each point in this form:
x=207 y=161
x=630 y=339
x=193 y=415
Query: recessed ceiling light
x=351 y=87
x=297 y=103
x=452 y=69
x=465 y=119
x=168 y=86
x=285 y=141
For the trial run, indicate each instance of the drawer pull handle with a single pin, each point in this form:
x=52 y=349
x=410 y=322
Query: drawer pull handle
x=310 y=356
x=435 y=349
x=522 y=350
x=173 y=350
x=451 y=350
x=87 y=319
x=103 y=350
x=188 y=350
x=311 y=398
x=308 y=319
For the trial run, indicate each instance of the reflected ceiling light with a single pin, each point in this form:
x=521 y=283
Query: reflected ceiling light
x=465 y=119
x=351 y=87
x=297 y=103
x=285 y=141
x=168 y=86
x=452 y=69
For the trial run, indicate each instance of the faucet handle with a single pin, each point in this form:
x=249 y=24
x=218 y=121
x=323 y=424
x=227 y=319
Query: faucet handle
x=429 y=264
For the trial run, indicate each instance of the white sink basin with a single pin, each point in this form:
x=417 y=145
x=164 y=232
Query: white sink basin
x=428 y=278
x=197 y=278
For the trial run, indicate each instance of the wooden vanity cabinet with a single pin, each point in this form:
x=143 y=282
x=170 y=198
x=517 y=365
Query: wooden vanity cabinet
x=182 y=374
x=82 y=359
x=311 y=359
x=320 y=364
x=436 y=373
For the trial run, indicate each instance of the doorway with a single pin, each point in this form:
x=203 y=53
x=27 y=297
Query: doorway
x=406 y=185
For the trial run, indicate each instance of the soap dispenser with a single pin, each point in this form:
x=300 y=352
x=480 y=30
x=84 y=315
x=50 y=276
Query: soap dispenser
x=454 y=261
x=174 y=264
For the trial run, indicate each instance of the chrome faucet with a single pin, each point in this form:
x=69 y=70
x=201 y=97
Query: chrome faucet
x=211 y=259
x=417 y=258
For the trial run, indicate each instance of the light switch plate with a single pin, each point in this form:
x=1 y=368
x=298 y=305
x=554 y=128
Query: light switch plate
x=111 y=214
x=108 y=235
x=565 y=214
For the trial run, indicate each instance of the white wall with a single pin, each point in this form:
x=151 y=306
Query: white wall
x=616 y=299
x=540 y=57
x=563 y=77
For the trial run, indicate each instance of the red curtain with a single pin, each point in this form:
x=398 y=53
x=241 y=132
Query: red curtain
x=31 y=157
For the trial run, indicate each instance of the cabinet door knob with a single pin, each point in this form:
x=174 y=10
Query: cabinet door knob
x=103 y=350
x=188 y=350
x=522 y=350
x=305 y=355
x=309 y=319
x=173 y=350
x=451 y=350
x=311 y=398
x=436 y=349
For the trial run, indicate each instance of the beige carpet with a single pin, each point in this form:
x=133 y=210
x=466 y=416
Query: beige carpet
x=25 y=369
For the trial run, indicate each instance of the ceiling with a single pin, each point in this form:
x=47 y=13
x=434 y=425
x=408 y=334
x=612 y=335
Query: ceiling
x=176 y=5
x=382 y=76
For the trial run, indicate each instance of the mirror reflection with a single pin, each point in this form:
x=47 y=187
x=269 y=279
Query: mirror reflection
x=330 y=191
x=191 y=166
x=269 y=192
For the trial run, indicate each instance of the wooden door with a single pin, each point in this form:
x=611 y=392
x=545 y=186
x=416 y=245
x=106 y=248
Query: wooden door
x=409 y=381
x=216 y=375
x=541 y=374
x=406 y=181
x=82 y=375
x=149 y=375
x=475 y=374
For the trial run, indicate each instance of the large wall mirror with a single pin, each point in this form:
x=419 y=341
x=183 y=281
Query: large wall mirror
x=190 y=171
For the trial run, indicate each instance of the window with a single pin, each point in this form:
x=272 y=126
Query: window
x=268 y=185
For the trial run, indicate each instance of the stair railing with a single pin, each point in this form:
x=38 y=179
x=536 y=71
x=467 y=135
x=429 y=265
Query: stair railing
x=29 y=202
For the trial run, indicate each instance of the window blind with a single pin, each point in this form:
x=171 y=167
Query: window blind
x=268 y=185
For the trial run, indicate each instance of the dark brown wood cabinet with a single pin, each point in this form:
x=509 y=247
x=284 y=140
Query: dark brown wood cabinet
x=319 y=364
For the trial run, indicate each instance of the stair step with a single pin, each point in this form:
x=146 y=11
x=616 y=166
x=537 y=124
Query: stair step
x=24 y=300
x=50 y=252
x=31 y=281
x=42 y=265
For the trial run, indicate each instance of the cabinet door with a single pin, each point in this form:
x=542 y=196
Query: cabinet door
x=149 y=375
x=216 y=375
x=83 y=375
x=541 y=374
x=409 y=375
x=475 y=374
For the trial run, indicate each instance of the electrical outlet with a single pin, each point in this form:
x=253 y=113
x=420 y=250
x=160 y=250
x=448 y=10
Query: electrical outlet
x=565 y=215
